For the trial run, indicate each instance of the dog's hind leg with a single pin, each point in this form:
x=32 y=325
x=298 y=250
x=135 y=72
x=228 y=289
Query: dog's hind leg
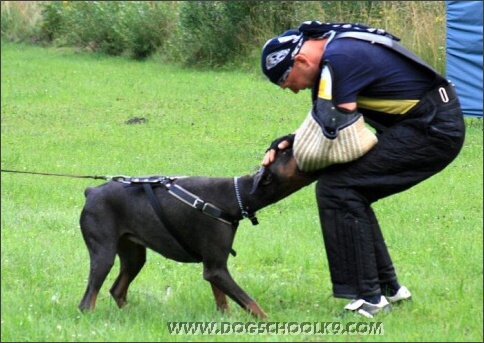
x=102 y=260
x=132 y=258
x=220 y=299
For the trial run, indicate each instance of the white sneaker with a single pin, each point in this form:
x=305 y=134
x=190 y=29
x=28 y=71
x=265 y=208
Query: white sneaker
x=402 y=294
x=368 y=309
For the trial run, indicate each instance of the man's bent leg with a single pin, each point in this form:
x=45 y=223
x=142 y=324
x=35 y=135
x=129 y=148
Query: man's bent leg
x=349 y=240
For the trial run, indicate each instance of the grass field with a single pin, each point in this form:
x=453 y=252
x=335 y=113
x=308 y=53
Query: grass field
x=64 y=112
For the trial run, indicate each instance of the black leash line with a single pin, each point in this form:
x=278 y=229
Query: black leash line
x=53 y=174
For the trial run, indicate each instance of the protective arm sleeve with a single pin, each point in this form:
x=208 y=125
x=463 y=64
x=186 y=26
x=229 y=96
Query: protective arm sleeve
x=325 y=113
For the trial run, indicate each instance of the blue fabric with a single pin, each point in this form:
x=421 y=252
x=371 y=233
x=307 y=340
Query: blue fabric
x=362 y=68
x=464 y=53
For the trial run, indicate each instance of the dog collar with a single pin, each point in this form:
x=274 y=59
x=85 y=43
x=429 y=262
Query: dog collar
x=245 y=213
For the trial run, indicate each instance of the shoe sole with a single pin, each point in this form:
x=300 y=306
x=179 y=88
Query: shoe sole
x=400 y=300
x=385 y=309
x=397 y=298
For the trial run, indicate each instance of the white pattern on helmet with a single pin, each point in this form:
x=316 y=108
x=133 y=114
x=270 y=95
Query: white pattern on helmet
x=285 y=39
x=275 y=58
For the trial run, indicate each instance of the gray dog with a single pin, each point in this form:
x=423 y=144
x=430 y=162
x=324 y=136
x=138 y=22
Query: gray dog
x=186 y=219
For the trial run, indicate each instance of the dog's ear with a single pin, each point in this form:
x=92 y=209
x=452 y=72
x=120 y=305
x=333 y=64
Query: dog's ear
x=262 y=178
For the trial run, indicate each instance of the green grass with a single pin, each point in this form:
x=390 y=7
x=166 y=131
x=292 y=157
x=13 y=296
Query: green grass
x=64 y=112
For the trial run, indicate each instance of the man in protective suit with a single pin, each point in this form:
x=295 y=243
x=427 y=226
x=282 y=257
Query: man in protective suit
x=420 y=129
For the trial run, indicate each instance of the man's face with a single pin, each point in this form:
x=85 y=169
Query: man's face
x=302 y=75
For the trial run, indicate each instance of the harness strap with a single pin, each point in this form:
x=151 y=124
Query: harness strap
x=192 y=200
x=432 y=101
x=157 y=208
x=181 y=194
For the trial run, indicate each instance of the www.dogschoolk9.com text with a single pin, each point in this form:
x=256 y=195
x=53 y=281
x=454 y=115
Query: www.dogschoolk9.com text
x=275 y=328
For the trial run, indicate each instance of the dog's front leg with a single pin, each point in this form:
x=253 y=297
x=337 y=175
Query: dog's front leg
x=223 y=281
x=220 y=299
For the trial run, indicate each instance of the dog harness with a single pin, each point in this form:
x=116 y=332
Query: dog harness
x=188 y=198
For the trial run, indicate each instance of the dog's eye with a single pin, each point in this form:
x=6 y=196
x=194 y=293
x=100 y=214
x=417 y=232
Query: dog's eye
x=267 y=179
x=287 y=151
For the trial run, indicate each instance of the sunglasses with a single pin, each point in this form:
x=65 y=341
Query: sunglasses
x=284 y=77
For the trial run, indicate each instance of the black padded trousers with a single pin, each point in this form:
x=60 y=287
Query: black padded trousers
x=408 y=152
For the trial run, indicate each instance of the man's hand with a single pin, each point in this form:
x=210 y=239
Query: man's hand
x=278 y=144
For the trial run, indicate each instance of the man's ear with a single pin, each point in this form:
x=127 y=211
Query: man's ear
x=301 y=58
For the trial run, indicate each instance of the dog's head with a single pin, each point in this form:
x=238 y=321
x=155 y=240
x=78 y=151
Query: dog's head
x=281 y=178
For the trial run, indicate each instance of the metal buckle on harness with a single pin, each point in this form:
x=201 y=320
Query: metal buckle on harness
x=199 y=204
x=443 y=95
